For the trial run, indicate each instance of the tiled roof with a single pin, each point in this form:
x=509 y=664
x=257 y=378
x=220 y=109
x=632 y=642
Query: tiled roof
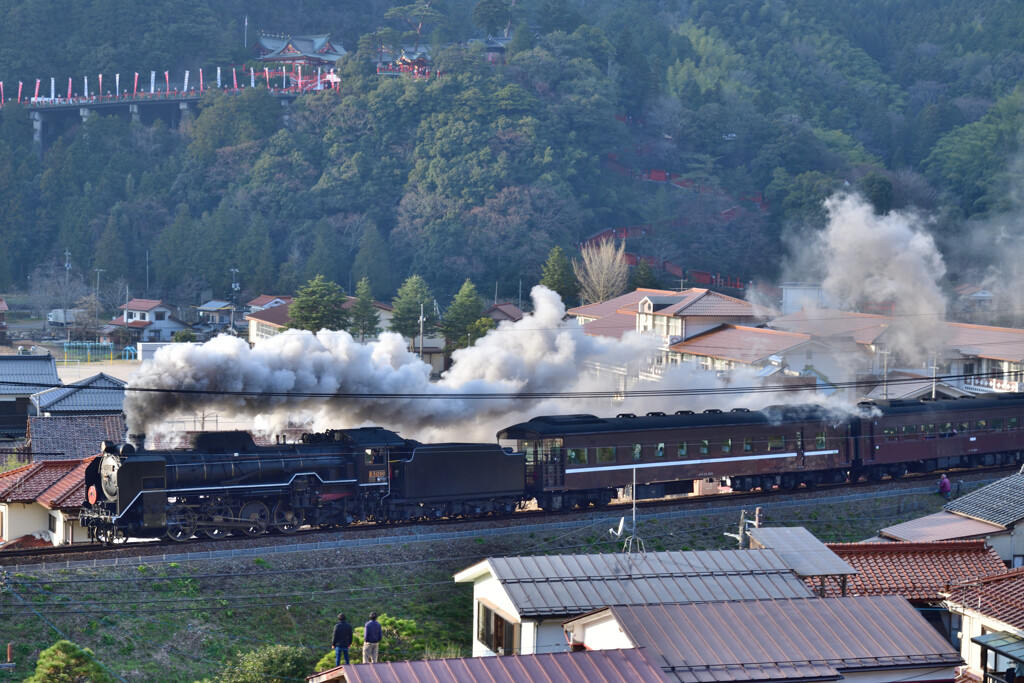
x=73 y=437
x=1001 y=502
x=864 y=328
x=997 y=343
x=741 y=344
x=560 y=585
x=614 y=325
x=96 y=394
x=215 y=305
x=917 y=571
x=119 y=322
x=39 y=481
x=627 y=300
x=25 y=375
x=351 y=301
x=275 y=315
x=604 y=666
x=504 y=311
x=278 y=47
x=704 y=302
x=941 y=526
x=3 y=305
x=1000 y=597
x=142 y=304
x=784 y=639
x=264 y=299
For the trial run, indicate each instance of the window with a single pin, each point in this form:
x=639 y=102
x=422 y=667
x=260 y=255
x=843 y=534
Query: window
x=963 y=427
x=52 y=523
x=495 y=633
x=704 y=446
x=776 y=442
x=606 y=454
x=908 y=432
x=143 y=316
x=681 y=450
x=638 y=450
x=928 y=431
x=1013 y=423
x=997 y=424
x=727 y=445
x=981 y=425
x=576 y=456
x=890 y=434
x=130 y=315
x=659 y=452
x=820 y=440
x=748 y=445
x=160 y=315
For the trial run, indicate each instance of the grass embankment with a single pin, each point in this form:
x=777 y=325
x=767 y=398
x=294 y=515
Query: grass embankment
x=169 y=622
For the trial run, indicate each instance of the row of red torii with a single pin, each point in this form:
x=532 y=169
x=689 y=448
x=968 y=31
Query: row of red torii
x=278 y=80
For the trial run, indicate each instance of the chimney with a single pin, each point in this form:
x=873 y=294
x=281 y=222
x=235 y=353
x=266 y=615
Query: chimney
x=138 y=441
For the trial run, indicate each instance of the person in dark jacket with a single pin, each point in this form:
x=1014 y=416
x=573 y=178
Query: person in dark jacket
x=342 y=639
x=371 y=639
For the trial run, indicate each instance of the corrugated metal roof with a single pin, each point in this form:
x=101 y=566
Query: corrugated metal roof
x=1006 y=644
x=97 y=394
x=25 y=375
x=941 y=526
x=600 y=666
x=563 y=585
x=1001 y=502
x=785 y=639
x=801 y=550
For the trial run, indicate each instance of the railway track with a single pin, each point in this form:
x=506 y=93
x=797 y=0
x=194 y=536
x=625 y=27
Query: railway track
x=371 y=534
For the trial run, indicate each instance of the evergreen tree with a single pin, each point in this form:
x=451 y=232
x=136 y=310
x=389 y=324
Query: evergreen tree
x=365 y=318
x=558 y=276
x=319 y=306
x=643 y=276
x=372 y=261
x=406 y=308
x=65 y=661
x=462 y=319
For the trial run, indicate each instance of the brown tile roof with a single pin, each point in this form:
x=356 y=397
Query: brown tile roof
x=605 y=666
x=275 y=315
x=704 y=302
x=264 y=299
x=3 y=305
x=351 y=302
x=785 y=639
x=917 y=571
x=504 y=311
x=864 y=328
x=73 y=437
x=740 y=344
x=42 y=482
x=941 y=526
x=627 y=300
x=615 y=325
x=1000 y=597
x=69 y=491
x=119 y=322
x=141 y=304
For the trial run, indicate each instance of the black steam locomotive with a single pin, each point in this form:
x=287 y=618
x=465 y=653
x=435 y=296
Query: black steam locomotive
x=225 y=483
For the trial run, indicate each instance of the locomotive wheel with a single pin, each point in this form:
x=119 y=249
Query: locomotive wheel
x=219 y=516
x=181 y=523
x=286 y=519
x=111 y=536
x=255 y=518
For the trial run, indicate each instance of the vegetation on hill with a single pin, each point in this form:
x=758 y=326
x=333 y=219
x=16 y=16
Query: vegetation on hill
x=478 y=174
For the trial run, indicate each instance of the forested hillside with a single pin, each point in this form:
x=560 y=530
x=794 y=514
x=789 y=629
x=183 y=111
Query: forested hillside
x=762 y=108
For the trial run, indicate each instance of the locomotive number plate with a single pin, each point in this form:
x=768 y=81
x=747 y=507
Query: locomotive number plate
x=377 y=474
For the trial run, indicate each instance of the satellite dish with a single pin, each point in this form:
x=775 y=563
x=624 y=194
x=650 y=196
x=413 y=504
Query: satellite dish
x=617 y=533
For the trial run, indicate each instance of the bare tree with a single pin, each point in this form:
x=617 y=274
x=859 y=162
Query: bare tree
x=603 y=274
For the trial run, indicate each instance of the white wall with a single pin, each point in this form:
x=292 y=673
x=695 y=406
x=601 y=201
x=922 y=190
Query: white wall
x=490 y=591
x=21 y=519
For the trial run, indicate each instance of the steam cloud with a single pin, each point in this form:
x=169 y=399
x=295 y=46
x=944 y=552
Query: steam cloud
x=537 y=354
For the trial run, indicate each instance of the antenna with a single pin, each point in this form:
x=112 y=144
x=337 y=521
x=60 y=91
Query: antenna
x=617 y=533
x=632 y=540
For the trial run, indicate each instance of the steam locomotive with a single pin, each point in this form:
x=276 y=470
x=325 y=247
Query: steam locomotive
x=225 y=483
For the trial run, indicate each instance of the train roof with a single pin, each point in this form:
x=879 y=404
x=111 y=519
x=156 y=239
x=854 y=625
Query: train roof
x=552 y=426
x=926 y=405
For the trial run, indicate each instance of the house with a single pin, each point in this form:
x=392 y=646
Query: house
x=265 y=301
x=268 y=322
x=146 y=320
x=972 y=298
x=919 y=572
x=215 y=317
x=72 y=437
x=97 y=395
x=519 y=603
x=3 y=322
x=20 y=377
x=606 y=666
x=994 y=513
x=504 y=311
x=880 y=639
x=310 y=50
x=42 y=499
x=991 y=614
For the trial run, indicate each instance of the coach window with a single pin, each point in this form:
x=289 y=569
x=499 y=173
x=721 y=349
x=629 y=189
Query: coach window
x=1012 y=423
x=890 y=434
x=606 y=454
x=908 y=432
x=704 y=446
x=997 y=424
x=928 y=431
x=981 y=425
x=946 y=430
x=776 y=442
x=681 y=450
x=963 y=427
x=727 y=445
x=577 y=456
x=659 y=452
x=748 y=445
x=820 y=441
x=638 y=450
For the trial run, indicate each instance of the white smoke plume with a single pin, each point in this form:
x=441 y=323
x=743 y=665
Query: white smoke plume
x=537 y=354
x=862 y=258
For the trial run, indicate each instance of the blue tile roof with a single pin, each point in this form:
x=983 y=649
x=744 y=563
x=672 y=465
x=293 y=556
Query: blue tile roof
x=25 y=375
x=94 y=395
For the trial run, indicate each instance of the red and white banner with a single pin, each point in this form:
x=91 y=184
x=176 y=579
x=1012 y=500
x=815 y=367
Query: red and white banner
x=185 y=86
x=152 y=82
x=1 y=93
x=117 y=85
x=85 y=82
x=19 y=91
x=135 y=90
x=218 y=78
x=234 y=78
x=101 y=85
x=53 y=88
x=266 y=72
x=69 y=87
x=36 y=95
x=200 y=80
x=167 y=81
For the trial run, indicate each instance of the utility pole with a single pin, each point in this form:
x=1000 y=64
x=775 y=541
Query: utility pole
x=935 y=369
x=234 y=294
x=97 y=292
x=885 y=373
x=422 y=319
x=67 y=283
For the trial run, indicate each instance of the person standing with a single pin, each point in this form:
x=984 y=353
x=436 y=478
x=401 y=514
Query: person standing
x=342 y=639
x=371 y=639
x=945 y=487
